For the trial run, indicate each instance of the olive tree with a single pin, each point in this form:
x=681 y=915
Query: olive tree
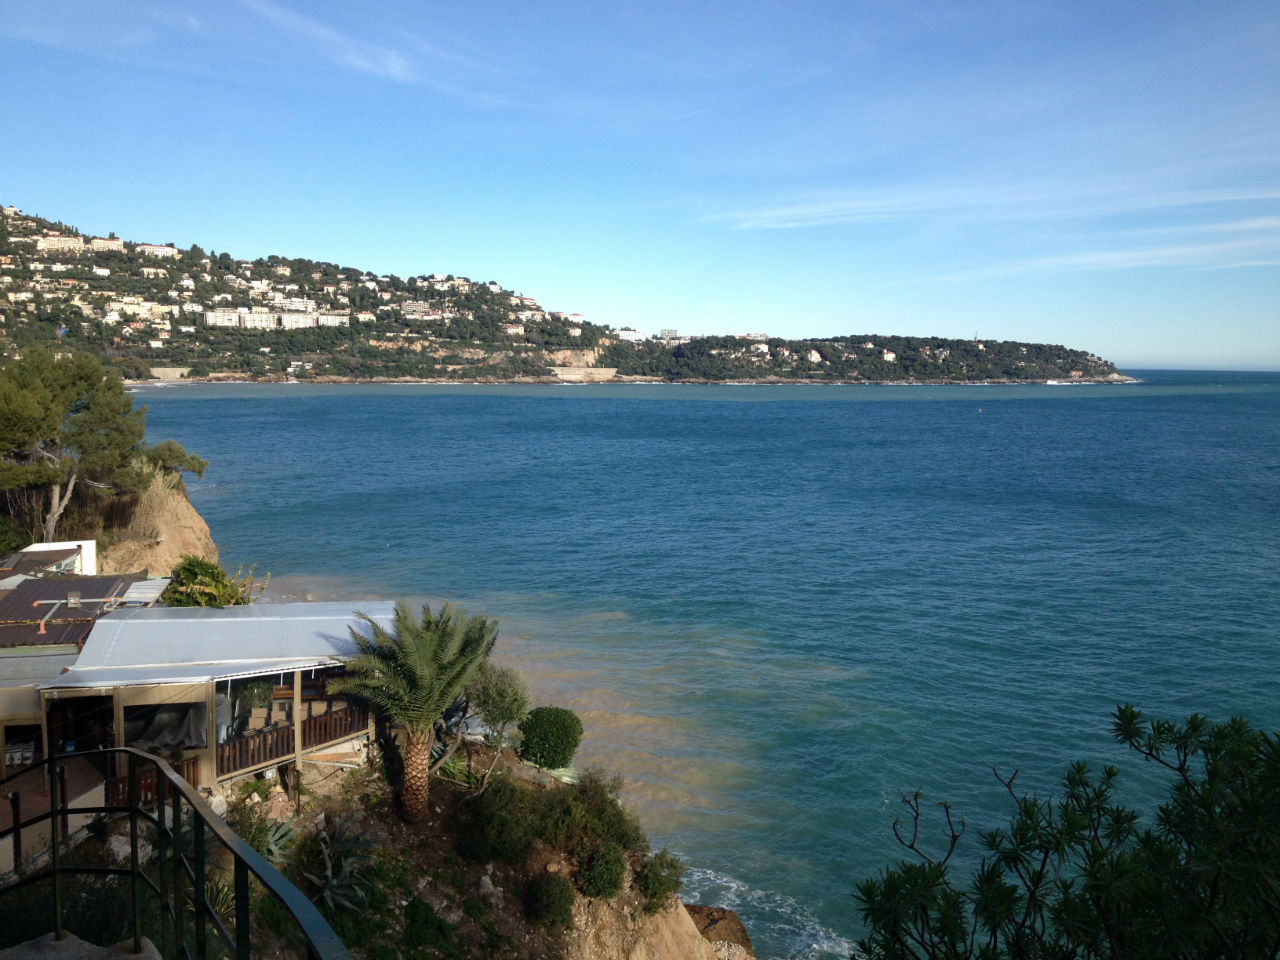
x=500 y=695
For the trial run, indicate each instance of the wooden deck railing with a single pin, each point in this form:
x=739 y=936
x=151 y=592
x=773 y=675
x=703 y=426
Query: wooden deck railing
x=334 y=725
x=255 y=749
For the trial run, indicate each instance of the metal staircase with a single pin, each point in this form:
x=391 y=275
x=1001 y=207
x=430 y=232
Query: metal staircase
x=187 y=874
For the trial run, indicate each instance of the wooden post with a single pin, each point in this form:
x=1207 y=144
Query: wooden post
x=15 y=810
x=297 y=719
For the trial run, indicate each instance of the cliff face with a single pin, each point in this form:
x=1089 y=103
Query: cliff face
x=619 y=929
x=164 y=528
x=616 y=930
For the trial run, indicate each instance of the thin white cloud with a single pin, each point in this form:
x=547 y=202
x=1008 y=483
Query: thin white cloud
x=981 y=203
x=1228 y=255
x=374 y=59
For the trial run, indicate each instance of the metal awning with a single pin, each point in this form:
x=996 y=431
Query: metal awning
x=192 y=644
x=178 y=673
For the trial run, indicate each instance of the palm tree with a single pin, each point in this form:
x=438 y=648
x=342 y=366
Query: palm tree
x=412 y=674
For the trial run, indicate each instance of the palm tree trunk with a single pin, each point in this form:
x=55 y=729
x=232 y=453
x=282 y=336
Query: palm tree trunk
x=417 y=775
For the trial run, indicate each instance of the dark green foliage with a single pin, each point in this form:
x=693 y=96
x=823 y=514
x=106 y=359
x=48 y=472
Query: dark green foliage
x=659 y=879
x=548 y=900
x=590 y=812
x=503 y=822
x=506 y=820
x=171 y=456
x=68 y=430
x=14 y=535
x=551 y=736
x=1078 y=876
x=202 y=583
x=276 y=918
x=423 y=927
x=601 y=871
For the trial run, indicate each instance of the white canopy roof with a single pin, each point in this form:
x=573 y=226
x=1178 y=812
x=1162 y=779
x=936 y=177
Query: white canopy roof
x=194 y=644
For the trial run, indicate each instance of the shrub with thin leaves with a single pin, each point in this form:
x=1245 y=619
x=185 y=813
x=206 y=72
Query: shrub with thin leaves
x=659 y=879
x=601 y=872
x=548 y=900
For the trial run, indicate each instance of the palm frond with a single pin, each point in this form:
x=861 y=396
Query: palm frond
x=415 y=671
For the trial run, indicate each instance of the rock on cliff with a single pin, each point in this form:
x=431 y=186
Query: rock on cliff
x=724 y=929
x=617 y=930
x=164 y=527
x=573 y=358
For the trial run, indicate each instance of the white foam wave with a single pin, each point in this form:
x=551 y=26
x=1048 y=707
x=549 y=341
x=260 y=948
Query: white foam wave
x=783 y=922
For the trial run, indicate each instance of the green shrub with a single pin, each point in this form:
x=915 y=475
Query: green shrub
x=275 y=917
x=423 y=927
x=659 y=879
x=551 y=736
x=271 y=838
x=202 y=583
x=596 y=792
x=502 y=823
x=601 y=872
x=548 y=900
x=13 y=535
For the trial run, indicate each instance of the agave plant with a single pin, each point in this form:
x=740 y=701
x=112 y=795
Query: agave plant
x=345 y=856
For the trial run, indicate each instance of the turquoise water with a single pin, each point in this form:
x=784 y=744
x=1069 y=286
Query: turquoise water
x=778 y=606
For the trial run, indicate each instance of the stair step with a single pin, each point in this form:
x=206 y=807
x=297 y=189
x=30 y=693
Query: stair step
x=71 y=947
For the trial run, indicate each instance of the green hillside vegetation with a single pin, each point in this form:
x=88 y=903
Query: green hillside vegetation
x=304 y=318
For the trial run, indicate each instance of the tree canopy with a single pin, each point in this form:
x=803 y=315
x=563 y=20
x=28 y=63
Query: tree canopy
x=1079 y=876
x=68 y=425
x=64 y=420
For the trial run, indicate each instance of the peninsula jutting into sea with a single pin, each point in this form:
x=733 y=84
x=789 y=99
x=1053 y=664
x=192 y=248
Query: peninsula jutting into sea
x=157 y=311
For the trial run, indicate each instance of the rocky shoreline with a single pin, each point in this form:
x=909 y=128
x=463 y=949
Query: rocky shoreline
x=556 y=381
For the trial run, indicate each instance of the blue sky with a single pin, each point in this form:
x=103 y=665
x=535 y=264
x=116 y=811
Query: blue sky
x=1103 y=175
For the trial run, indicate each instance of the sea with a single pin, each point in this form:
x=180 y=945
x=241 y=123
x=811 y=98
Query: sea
x=778 y=608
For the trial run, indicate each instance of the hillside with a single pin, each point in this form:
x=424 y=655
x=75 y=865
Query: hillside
x=156 y=310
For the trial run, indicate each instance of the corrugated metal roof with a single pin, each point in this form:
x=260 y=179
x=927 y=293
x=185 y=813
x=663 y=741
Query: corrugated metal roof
x=66 y=633
x=21 y=669
x=145 y=592
x=28 y=601
x=190 y=644
x=28 y=561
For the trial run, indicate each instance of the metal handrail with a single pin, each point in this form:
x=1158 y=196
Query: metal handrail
x=177 y=870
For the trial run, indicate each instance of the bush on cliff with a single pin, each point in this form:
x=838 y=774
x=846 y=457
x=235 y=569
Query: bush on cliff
x=601 y=871
x=550 y=736
x=659 y=879
x=548 y=900
x=504 y=822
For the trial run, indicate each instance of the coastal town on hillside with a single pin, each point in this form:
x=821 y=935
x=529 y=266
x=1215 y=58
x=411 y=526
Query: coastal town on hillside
x=155 y=310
